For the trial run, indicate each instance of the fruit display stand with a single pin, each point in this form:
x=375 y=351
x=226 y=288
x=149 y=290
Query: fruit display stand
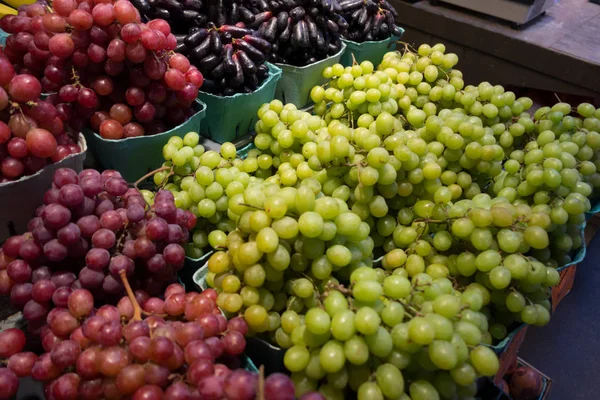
x=19 y=199
x=296 y=82
x=136 y=156
x=233 y=117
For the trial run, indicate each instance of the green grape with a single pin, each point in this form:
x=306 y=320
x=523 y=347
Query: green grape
x=317 y=321
x=303 y=288
x=392 y=314
x=423 y=390
x=369 y=391
x=390 y=380
x=367 y=291
x=380 y=344
x=396 y=287
x=442 y=326
x=314 y=370
x=339 y=255
x=367 y=321
x=443 y=354
x=296 y=358
x=421 y=331
x=484 y=361
x=464 y=374
x=447 y=305
x=468 y=332
x=332 y=357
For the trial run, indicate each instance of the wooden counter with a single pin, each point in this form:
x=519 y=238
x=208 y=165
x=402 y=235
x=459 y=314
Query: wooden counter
x=559 y=51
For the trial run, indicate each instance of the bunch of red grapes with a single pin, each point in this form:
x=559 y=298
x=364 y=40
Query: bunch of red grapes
x=189 y=352
x=105 y=68
x=91 y=227
x=31 y=133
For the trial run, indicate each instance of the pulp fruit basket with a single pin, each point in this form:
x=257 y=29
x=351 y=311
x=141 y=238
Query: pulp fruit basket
x=371 y=50
x=134 y=157
x=296 y=82
x=19 y=199
x=232 y=117
x=190 y=266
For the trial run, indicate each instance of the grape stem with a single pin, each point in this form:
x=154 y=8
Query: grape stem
x=146 y=313
x=149 y=174
x=354 y=62
x=251 y=206
x=137 y=310
x=410 y=308
x=260 y=395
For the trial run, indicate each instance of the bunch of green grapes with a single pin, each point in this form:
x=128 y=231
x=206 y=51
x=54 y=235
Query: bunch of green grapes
x=203 y=182
x=288 y=242
x=354 y=91
x=390 y=335
x=503 y=247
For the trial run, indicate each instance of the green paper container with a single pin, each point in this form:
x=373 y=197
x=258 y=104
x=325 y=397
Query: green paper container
x=372 y=51
x=3 y=36
x=296 y=82
x=232 y=117
x=19 y=199
x=594 y=210
x=247 y=364
x=190 y=266
x=499 y=348
x=136 y=156
x=199 y=277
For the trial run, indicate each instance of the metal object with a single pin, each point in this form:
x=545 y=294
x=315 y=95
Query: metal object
x=519 y=12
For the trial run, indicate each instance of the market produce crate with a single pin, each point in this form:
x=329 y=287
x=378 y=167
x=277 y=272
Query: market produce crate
x=263 y=353
x=3 y=36
x=232 y=117
x=190 y=266
x=296 y=82
x=19 y=199
x=369 y=50
x=560 y=291
x=509 y=355
x=136 y=156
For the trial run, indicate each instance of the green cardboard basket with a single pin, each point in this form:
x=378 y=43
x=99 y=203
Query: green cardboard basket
x=136 y=156
x=296 y=82
x=232 y=117
x=190 y=266
x=372 y=51
x=199 y=277
x=3 y=36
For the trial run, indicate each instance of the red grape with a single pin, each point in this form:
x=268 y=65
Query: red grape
x=17 y=148
x=9 y=383
x=64 y=7
x=175 y=79
x=21 y=363
x=104 y=14
x=80 y=303
x=41 y=143
x=24 y=88
x=125 y=12
x=81 y=20
x=12 y=342
x=111 y=129
x=61 y=45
